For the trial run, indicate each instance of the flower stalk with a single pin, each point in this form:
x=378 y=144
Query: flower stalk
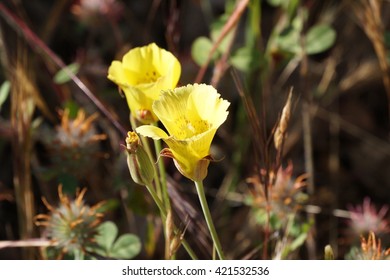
x=209 y=220
x=163 y=213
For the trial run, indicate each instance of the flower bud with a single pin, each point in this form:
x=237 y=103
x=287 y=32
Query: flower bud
x=140 y=166
x=329 y=253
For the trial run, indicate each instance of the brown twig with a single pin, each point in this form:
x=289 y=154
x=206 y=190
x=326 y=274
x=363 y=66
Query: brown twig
x=229 y=25
x=26 y=243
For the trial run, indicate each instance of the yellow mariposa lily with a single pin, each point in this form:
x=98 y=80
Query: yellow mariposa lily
x=141 y=75
x=191 y=115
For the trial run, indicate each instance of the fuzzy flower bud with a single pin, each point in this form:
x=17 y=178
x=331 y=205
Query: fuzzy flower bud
x=139 y=164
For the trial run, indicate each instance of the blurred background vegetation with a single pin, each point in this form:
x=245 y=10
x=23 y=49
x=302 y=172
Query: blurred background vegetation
x=328 y=179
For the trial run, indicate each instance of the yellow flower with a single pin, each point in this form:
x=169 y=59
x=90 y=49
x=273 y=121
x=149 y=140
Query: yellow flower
x=142 y=74
x=191 y=115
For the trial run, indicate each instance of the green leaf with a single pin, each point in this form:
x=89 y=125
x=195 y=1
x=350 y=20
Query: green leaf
x=200 y=50
x=298 y=241
x=107 y=233
x=319 y=38
x=126 y=247
x=4 y=92
x=63 y=76
x=288 y=40
x=245 y=59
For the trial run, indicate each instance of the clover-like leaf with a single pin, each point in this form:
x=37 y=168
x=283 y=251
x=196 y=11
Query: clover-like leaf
x=126 y=247
x=245 y=59
x=107 y=233
x=200 y=50
x=319 y=38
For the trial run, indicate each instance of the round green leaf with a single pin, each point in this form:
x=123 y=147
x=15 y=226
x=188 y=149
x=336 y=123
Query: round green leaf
x=288 y=40
x=319 y=38
x=245 y=59
x=200 y=50
x=63 y=76
x=107 y=233
x=126 y=247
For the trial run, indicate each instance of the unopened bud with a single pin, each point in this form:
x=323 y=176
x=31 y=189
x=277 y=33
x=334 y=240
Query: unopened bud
x=329 y=253
x=140 y=166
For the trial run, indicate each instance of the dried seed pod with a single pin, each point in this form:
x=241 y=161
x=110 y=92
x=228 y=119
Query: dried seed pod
x=281 y=129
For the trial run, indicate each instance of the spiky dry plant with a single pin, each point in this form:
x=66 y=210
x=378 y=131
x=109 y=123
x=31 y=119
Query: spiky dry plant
x=72 y=225
x=286 y=195
x=365 y=218
x=370 y=249
x=75 y=144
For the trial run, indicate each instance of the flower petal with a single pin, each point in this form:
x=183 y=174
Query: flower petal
x=117 y=74
x=214 y=110
x=143 y=73
x=171 y=108
x=152 y=132
x=189 y=152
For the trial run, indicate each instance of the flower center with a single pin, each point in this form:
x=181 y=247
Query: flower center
x=189 y=128
x=150 y=76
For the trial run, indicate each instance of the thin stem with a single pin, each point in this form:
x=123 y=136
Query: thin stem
x=158 y=201
x=209 y=220
x=163 y=178
x=163 y=212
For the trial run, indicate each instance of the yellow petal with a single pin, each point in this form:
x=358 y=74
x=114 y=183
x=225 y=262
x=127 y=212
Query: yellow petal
x=189 y=152
x=191 y=110
x=140 y=105
x=205 y=103
x=119 y=75
x=152 y=132
x=150 y=63
x=171 y=110
x=191 y=115
x=143 y=73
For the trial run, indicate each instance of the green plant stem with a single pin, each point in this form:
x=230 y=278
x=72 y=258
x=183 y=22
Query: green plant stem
x=163 y=186
x=209 y=220
x=163 y=212
x=163 y=178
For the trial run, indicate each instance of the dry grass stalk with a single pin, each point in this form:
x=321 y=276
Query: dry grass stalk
x=281 y=129
x=369 y=14
x=23 y=96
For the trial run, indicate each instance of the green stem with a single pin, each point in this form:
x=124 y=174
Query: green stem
x=163 y=185
x=163 y=178
x=209 y=220
x=163 y=212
